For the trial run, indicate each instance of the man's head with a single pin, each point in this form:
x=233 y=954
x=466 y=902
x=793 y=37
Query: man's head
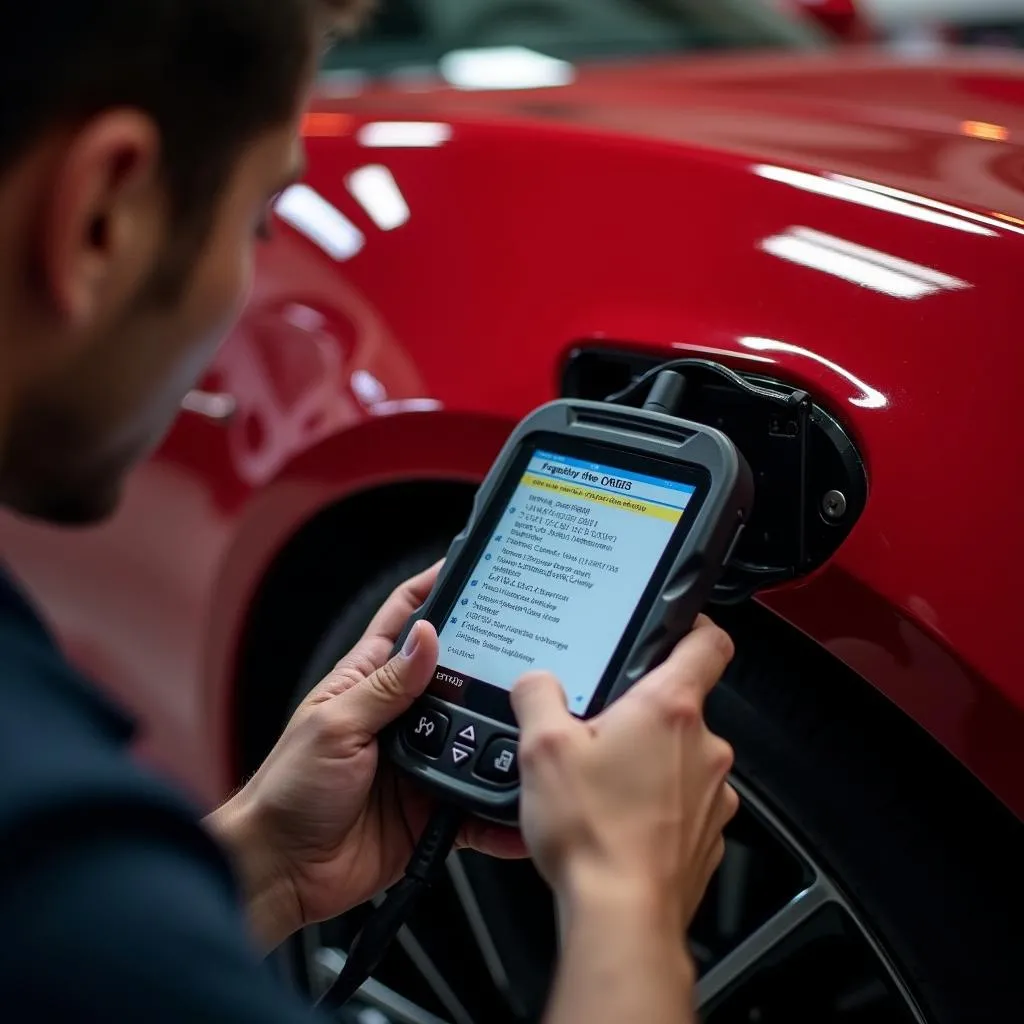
x=141 y=142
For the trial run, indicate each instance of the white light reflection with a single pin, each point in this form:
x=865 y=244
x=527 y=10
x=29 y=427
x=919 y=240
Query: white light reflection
x=376 y=190
x=869 y=397
x=869 y=268
x=711 y=350
x=305 y=318
x=367 y=388
x=404 y=134
x=406 y=405
x=934 y=204
x=323 y=223
x=845 y=189
x=504 y=67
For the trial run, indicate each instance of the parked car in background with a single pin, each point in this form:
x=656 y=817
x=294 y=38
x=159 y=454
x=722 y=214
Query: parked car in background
x=510 y=201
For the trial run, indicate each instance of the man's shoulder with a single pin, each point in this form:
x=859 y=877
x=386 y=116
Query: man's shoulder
x=107 y=878
x=65 y=768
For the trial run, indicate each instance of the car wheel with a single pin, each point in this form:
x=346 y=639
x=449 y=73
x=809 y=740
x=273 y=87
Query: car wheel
x=911 y=901
x=867 y=878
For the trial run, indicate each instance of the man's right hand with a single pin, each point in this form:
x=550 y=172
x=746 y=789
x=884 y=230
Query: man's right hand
x=630 y=806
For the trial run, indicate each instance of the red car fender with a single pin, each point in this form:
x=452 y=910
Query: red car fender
x=438 y=446
x=893 y=648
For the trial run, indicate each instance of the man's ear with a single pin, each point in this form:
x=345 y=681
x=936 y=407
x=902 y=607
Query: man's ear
x=105 y=216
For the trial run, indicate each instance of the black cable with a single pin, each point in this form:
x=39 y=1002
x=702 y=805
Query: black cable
x=375 y=938
x=700 y=366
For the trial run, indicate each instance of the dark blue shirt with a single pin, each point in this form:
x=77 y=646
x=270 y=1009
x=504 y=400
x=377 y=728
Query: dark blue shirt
x=115 y=904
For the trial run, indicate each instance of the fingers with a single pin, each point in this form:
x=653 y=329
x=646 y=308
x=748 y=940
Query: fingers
x=538 y=699
x=378 y=699
x=493 y=840
x=713 y=848
x=698 y=661
x=690 y=672
x=727 y=803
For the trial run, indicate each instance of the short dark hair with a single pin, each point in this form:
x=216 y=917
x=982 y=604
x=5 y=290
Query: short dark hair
x=212 y=73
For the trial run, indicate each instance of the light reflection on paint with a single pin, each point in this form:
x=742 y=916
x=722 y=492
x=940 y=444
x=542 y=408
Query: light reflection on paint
x=404 y=134
x=367 y=388
x=869 y=397
x=860 y=265
x=325 y=124
x=876 y=197
x=406 y=405
x=504 y=67
x=985 y=130
x=933 y=204
x=320 y=221
x=711 y=350
x=375 y=189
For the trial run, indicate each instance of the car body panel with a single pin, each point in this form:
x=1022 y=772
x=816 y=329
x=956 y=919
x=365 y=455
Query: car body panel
x=845 y=223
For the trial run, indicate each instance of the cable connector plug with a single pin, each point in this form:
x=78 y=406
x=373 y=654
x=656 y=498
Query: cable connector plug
x=666 y=393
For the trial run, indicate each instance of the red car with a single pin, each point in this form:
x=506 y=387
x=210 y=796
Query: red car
x=506 y=202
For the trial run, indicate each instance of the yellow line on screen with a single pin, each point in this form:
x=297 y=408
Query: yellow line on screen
x=580 y=493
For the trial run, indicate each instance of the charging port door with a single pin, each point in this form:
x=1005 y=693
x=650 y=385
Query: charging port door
x=811 y=481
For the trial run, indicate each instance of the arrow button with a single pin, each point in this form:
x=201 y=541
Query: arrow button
x=468 y=735
x=459 y=755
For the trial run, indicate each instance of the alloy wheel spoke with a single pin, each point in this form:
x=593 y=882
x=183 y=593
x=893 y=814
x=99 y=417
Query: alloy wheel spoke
x=754 y=949
x=478 y=925
x=431 y=974
x=397 y=1008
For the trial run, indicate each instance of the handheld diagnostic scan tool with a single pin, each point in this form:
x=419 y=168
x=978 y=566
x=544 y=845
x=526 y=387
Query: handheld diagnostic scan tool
x=593 y=543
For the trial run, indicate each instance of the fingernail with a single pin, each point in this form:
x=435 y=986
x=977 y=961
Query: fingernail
x=412 y=641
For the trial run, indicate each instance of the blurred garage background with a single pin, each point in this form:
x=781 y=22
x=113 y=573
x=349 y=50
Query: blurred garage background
x=943 y=22
x=924 y=25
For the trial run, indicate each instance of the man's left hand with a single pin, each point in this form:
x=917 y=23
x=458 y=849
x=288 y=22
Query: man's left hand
x=325 y=824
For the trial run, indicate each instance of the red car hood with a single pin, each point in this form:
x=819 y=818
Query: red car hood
x=950 y=128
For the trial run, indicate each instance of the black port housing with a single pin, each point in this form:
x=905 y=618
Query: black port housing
x=811 y=482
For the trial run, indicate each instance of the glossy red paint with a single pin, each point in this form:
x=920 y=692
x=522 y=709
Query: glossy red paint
x=840 y=222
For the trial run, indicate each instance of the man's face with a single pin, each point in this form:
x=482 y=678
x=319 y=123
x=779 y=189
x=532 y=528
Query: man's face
x=117 y=355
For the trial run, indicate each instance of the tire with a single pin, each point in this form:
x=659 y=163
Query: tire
x=925 y=862
x=927 y=859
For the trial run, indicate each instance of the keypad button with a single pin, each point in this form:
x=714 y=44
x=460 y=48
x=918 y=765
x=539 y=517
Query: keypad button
x=460 y=755
x=500 y=762
x=467 y=735
x=425 y=731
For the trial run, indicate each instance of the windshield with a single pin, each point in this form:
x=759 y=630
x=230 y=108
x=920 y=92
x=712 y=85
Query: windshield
x=419 y=33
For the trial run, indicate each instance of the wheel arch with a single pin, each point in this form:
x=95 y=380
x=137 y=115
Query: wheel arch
x=323 y=565
x=312 y=537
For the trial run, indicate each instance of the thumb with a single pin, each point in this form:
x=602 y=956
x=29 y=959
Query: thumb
x=376 y=701
x=538 y=700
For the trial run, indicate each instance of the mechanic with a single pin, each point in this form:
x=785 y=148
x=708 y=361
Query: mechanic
x=141 y=144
